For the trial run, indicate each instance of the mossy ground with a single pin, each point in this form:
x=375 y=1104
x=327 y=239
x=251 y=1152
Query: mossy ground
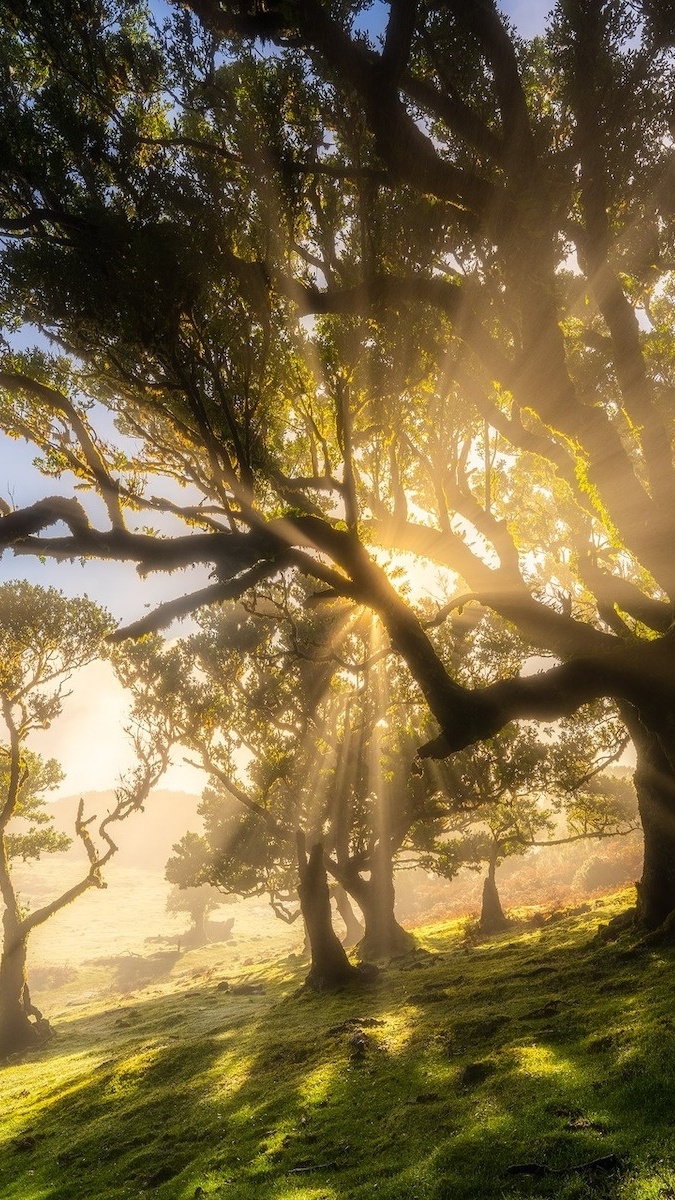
x=460 y=1062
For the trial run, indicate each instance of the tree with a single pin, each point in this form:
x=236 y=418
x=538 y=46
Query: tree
x=276 y=705
x=44 y=637
x=520 y=790
x=35 y=834
x=256 y=719
x=528 y=785
x=198 y=902
x=414 y=295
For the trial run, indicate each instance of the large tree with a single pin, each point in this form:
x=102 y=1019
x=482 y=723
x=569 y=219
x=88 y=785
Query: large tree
x=289 y=711
x=409 y=291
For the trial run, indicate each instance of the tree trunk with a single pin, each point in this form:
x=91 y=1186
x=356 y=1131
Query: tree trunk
x=330 y=967
x=354 y=928
x=375 y=897
x=384 y=936
x=18 y=1031
x=655 y=786
x=198 y=936
x=492 y=916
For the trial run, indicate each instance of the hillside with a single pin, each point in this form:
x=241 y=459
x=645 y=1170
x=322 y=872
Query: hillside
x=130 y=911
x=146 y=838
x=132 y=907
x=537 y=1065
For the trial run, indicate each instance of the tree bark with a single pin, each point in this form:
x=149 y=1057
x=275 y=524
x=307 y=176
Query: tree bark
x=376 y=897
x=383 y=936
x=492 y=916
x=330 y=967
x=655 y=786
x=21 y=1023
x=353 y=927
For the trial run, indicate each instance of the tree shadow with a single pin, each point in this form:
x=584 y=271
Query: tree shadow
x=435 y=1081
x=133 y=971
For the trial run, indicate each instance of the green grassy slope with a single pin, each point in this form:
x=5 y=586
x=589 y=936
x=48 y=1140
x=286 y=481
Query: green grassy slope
x=458 y=1064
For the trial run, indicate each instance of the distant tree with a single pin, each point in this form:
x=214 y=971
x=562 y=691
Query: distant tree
x=198 y=902
x=521 y=790
x=259 y=719
x=285 y=711
x=43 y=638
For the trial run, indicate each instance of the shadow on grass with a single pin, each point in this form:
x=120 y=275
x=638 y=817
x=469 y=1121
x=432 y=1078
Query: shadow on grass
x=132 y=971
x=430 y=1084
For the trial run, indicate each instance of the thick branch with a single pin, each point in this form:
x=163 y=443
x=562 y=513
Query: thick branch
x=182 y=606
x=547 y=696
x=57 y=402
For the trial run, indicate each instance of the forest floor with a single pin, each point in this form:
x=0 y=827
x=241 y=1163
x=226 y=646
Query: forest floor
x=538 y=1064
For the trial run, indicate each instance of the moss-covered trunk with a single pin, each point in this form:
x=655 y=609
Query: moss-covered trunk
x=330 y=966
x=376 y=898
x=654 y=779
x=17 y=1030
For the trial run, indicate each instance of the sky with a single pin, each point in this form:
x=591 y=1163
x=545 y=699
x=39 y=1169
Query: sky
x=529 y=16
x=88 y=739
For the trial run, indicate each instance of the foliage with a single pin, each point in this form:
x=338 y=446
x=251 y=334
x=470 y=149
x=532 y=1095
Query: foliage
x=197 y=901
x=364 y=301
x=43 y=638
x=529 y=785
x=38 y=776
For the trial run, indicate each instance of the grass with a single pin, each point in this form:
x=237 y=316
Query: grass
x=540 y=1047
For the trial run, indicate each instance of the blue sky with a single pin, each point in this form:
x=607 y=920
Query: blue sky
x=528 y=15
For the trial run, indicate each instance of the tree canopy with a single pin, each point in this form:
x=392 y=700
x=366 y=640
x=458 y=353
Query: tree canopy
x=375 y=302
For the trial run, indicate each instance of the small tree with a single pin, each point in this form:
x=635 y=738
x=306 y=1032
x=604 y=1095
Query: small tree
x=288 y=713
x=521 y=790
x=258 y=718
x=43 y=638
x=197 y=902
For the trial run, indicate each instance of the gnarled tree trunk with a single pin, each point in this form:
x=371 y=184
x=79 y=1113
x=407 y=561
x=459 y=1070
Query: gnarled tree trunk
x=21 y=1023
x=376 y=897
x=655 y=786
x=492 y=916
x=353 y=927
x=330 y=966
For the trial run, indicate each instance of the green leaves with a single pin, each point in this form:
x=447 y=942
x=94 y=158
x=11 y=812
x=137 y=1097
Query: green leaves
x=31 y=833
x=43 y=638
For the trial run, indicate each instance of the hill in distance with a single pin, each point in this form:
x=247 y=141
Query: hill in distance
x=146 y=838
